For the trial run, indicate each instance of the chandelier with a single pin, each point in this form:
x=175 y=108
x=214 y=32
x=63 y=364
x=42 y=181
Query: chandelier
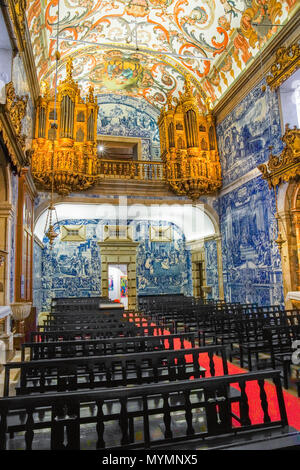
x=64 y=150
x=189 y=147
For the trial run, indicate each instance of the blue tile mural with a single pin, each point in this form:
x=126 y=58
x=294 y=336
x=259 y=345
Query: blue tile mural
x=130 y=117
x=74 y=268
x=251 y=261
x=211 y=263
x=245 y=135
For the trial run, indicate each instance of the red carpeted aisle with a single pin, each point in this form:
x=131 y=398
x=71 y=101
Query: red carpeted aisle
x=292 y=403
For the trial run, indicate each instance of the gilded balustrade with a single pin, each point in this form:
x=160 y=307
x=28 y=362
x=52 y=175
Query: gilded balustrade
x=138 y=170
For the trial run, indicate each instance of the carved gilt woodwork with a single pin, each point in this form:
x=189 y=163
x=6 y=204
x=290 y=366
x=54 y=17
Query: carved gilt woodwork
x=64 y=147
x=189 y=147
x=286 y=165
x=11 y=116
x=17 y=11
x=286 y=63
x=16 y=107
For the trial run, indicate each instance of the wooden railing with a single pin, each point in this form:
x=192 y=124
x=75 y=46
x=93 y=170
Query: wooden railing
x=208 y=399
x=138 y=170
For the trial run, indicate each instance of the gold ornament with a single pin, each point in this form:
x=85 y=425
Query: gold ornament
x=189 y=147
x=64 y=148
x=16 y=108
x=286 y=165
x=286 y=63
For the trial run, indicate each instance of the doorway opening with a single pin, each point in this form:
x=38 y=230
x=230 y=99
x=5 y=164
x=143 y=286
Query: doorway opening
x=118 y=283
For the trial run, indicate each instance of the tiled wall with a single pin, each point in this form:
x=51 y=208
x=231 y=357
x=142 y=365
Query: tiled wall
x=251 y=262
x=245 y=135
x=130 y=117
x=74 y=268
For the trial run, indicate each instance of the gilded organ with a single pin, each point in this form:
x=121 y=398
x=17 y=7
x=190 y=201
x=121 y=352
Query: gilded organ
x=189 y=147
x=64 y=151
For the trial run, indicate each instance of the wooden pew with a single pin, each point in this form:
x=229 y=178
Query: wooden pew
x=280 y=341
x=97 y=324
x=99 y=347
x=112 y=370
x=106 y=331
x=195 y=413
x=92 y=317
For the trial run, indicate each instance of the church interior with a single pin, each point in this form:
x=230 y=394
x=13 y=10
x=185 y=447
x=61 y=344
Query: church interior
x=149 y=225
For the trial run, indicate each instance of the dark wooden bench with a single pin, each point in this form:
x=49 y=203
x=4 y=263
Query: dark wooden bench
x=194 y=413
x=112 y=370
x=87 y=317
x=280 y=341
x=99 y=347
x=106 y=331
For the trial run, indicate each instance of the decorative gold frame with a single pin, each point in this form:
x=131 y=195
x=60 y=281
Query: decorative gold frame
x=286 y=63
x=286 y=165
x=73 y=233
x=160 y=234
x=117 y=232
x=11 y=115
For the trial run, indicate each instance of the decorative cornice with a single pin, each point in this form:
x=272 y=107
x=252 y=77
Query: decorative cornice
x=260 y=66
x=286 y=63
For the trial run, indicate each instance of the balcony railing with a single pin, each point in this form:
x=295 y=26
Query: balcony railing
x=138 y=170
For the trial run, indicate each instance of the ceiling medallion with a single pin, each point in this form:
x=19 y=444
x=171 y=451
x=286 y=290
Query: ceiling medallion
x=189 y=147
x=64 y=150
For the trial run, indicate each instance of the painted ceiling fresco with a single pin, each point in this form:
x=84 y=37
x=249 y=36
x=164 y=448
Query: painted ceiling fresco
x=144 y=48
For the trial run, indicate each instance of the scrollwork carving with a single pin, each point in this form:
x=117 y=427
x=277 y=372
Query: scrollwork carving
x=286 y=63
x=286 y=165
x=16 y=108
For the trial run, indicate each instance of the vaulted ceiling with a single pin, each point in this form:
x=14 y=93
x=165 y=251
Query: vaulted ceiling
x=144 y=48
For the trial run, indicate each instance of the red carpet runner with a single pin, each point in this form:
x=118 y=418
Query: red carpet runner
x=292 y=403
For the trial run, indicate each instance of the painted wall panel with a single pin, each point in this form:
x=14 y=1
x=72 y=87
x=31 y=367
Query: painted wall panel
x=74 y=268
x=251 y=261
x=130 y=117
x=245 y=135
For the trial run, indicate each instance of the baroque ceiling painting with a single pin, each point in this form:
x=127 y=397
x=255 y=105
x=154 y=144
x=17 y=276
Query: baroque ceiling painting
x=145 y=48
